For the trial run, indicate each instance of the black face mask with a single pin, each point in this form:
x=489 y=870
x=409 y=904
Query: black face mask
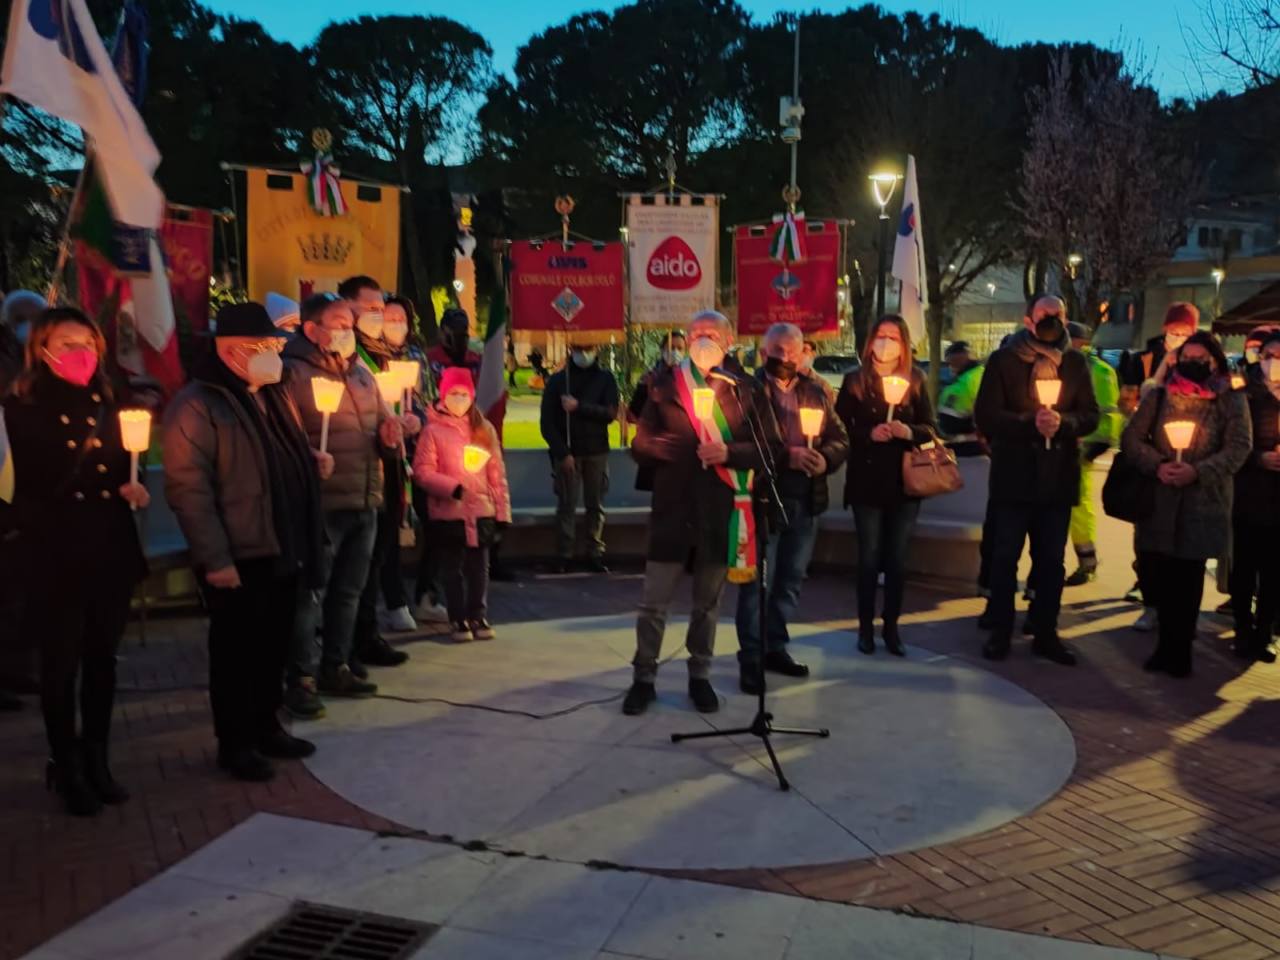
x=780 y=369
x=1049 y=328
x=1197 y=371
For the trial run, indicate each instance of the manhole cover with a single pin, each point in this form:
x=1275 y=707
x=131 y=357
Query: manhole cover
x=313 y=932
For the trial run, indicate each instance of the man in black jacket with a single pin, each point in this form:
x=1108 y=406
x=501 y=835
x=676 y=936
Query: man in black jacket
x=1035 y=469
x=242 y=480
x=578 y=404
x=802 y=485
x=701 y=508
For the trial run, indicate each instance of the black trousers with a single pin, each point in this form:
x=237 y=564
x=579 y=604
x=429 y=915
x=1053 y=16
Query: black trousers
x=464 y=571
x=1011 y=526
x=250 y=630
x=1177 y=587
x=79 y=634
x=427 y=582
x=1255 y=572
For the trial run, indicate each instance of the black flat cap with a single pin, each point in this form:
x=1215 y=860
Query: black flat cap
x=244 y=320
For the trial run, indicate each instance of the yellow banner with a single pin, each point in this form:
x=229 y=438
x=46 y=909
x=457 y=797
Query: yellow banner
x=296 y=252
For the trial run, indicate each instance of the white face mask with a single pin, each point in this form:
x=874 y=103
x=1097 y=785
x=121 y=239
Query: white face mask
x=263 y=368
x=457 y=403
x=1172 y=341
x=396 y=333
x=673 y=357
x=1271 y=369
x=584 y=358
x=1251 y=356
x=706 y=353
x=370 y=324
x=342 y=342
x=886 y=350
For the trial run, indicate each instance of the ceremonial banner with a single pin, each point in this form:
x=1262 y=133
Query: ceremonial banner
x=802 y=292
x=296 y=252
x=578 y=289
x=673 y=243
x=187 y=239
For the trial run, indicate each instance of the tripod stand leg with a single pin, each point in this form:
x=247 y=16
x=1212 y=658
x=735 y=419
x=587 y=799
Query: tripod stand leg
x=799 y=732
x=777 y=767
x=677 y=737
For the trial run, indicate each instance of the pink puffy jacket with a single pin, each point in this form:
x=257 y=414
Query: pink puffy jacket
x=437 y=469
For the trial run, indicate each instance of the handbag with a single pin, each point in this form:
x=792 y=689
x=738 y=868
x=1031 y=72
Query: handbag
x=930 y=469
x=1129 y=494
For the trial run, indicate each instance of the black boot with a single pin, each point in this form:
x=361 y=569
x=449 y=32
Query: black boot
x=64 y=775
x=378 y=653
x=1051 y=648
x=997 y=647
x=893 y=640
x=867 y=640
x=98 y=775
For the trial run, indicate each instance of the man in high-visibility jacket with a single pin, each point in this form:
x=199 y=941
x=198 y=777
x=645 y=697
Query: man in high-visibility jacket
x=1084 y=519
x=956 y=399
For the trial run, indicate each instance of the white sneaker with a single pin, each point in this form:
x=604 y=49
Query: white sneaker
x=1148 y=621
x=398 y=620
x=429 y=612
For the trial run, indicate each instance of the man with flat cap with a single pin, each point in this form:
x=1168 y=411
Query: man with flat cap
x=243 y=481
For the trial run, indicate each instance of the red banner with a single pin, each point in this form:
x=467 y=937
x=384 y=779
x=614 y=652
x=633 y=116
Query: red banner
x=803 y=293
x=578 y=289
x=187 y=238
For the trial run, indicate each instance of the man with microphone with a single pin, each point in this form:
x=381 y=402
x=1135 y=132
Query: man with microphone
x=694 y=434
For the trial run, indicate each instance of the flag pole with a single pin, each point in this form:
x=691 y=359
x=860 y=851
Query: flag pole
x=64 y=244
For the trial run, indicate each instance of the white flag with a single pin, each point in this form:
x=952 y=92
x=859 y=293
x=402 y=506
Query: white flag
x=908 y=258
x=153 y=303
x=55 y=60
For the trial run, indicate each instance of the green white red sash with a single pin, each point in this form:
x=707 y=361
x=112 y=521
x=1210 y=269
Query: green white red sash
x=742 y=523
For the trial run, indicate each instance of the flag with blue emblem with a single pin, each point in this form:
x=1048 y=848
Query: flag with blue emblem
x=908 y=258
x=55 y=60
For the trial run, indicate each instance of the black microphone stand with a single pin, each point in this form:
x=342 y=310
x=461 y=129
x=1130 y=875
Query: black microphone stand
x=763 y=496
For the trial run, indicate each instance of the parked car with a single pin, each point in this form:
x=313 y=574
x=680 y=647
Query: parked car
x=832 y=367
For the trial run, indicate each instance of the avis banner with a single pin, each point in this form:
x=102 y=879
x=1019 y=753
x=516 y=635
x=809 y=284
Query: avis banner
x=296 y=252
x=573 y=289
x=802 y=291
x=187 y=239
x=673 y=244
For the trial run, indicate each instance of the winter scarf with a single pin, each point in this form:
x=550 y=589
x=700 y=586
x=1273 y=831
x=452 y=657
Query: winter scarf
x=1045 y=357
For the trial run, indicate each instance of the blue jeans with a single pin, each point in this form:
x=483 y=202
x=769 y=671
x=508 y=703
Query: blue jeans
x=348 y=555
x=1010 y=526
x=790 y=550
x=884 y=534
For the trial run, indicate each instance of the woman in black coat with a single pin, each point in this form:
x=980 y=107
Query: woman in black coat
x=884 y=515
x=1255 y=571
x=78 y=545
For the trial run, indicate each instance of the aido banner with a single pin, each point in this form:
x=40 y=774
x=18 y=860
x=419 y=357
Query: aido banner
x=673 y=244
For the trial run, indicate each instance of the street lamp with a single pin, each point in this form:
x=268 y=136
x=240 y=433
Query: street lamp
x=1218 y=275
x=1073 y=261
x=882 y=186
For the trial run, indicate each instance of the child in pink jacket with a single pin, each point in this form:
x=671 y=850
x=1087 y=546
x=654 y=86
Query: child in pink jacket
x=466 y=499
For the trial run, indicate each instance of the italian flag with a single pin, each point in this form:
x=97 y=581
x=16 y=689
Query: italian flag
x=491 y=391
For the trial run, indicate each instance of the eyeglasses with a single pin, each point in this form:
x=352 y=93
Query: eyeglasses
x=270 y=345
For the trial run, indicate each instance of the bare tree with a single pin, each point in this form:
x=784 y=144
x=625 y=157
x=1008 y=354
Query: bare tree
x=1240 y=38
x=1105 y=191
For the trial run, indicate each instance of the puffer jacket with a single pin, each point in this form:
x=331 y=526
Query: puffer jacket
x=1257 y=488
x=1192 y=522
x=438 y=469
x=356 y=483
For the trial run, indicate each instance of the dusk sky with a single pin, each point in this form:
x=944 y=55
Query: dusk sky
x=1152 y=24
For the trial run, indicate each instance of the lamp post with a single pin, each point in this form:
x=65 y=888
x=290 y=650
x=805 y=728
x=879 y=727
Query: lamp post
x=1218 y=275
x=883 y=186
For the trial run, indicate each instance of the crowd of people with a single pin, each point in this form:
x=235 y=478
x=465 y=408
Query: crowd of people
x=296 y=519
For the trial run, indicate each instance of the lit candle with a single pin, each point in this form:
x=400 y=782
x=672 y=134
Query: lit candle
x=1237 y=382
x=328 y=397
x=390 y=386
x=1180 y=433
x=704 y=405
x=408 y=371
x=811 y=423
x=1049 y=391
x=135 y=433
x=895 y=389
x=474 y=458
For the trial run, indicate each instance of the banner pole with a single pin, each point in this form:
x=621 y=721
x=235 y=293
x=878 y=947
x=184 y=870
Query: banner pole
x=64 y=243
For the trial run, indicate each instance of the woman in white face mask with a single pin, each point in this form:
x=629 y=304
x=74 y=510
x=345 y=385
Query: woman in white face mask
x=1255 y=566
x=883 y=514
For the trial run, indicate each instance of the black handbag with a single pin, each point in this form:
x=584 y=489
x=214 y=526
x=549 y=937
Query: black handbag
x=1129 y=494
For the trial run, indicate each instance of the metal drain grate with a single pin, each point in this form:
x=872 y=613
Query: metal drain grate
x=313 y=932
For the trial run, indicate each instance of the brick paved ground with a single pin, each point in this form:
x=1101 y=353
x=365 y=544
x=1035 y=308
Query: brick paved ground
x=1166 y=838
